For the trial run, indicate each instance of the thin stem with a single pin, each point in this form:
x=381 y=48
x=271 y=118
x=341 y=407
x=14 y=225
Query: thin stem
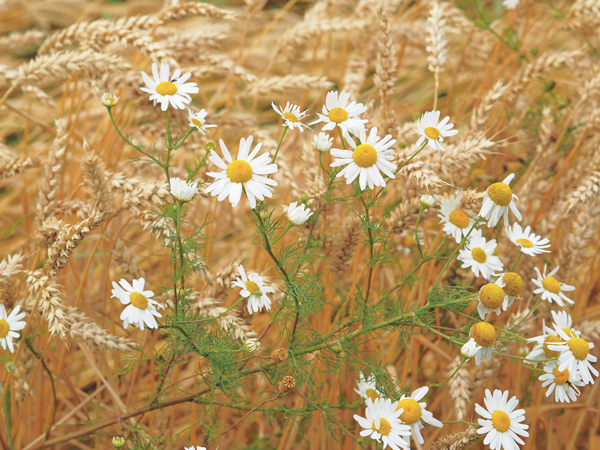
x=518 y=258
x=279 y=145
x=411 y=158
x=190 y=131
x=127 y=141
x=417 y=231
x=321 y=163
x=341 y=137
x=464 y=360
x=289 y=226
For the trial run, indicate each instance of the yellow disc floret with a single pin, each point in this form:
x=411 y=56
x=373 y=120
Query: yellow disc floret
x=484 y=334
x=501 y=421
x=412 y=411
x=551 y=284
x=364 y=155
x=479 y=255
x=560 y=377
x=491 y=296
x=432 y=133
x=579 y=347
x=372 y=394
x=459 y=218
x=239 y=171
x=290 y=117
x=513 y=284
x=138 y=300
x=500 y=194
x=551 y=340
x=384 y=427
x=197 y=122
x=253 y=287
x=338 y=115
x=525 y=243
x=4 y=328
x=166 y=88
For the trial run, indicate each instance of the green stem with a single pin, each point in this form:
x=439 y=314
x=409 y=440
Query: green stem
x=464 y=360
x=461 y=421
x=341 y=137
x=190 y=131
x=417 y=231
x=411 y=158
x=290 y=225
x=127 y=141
x=321 y=163
x=279 y=145
x=518 y=258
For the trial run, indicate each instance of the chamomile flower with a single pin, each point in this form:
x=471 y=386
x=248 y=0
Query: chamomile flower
x=298 y=214
x=484 y=335
x=367 y=159
x=168 y=90
x=575 y=355
x=528 y=242
x=382 y=423
x=512 y=285
x=322 y=142
x=549 y=336
x=367 y=388
x=491 y=298
x=501 y=423
x=109 y=100
x=408 y=243
x=510 y=4
x=254 y=289
x=251 y=345
x=181 y=190
x=9 y=325
x=430 y=128
x=246 y=173
x=337 y=112
x=497 y=199
x=198 y=120
x=292 y=116
x=414 y=411
x=427 y=201
x=478 y=254
x=562 y=383
x=552 y=289
x=141 y=309
x=457 y=222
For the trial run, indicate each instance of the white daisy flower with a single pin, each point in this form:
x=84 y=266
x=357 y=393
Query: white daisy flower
x=414 y=411
x=510 y=4
x=497 y=199
x=322 y=142
x=169 y=90
x=552 y=289
x=478 y=254
x=541 y=350
x=575 y=355
x=9 y=325
x=501 y=423
x=408 y=243
x=564 y=384
x=430 y=128
x=484 y=335
x=491 y=298
x=141 y=309
x=109 y=100
x=457 y=222
x=195 y=448
x=427 y=201
x=292 y=116
x=528 y=242
x=338 y=113
x=181 y=190
x=251 y=345
x=298 y=214
x=470 y=349
x=367 y=388
x=382 y=423
x=512 y=285
x=198 y=120
x=243 y=174
x=367 y=160
x=254 y=289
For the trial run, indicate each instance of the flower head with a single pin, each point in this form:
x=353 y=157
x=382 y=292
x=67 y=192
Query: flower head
x=414 y=411
x=367 y=388
x=141 y=309
x=552 y=289
x=501 y=423
x=562 y=383
x=528 y=242
x=109 y=100
x=246 y=173
x=427 y=201
x=292 y=116
x=478 y=254
x=254 y=289
x=511 y=284
x=575 y=355
x=118 y=441
x=367 y=159
x=169 y=90
x=251 y=345
x=549 y=336
x=337 y=112
x=431 y=129
x=181 y=190
x=9 y=325
x=457 y=221
x=322 y=142
x=484 y=335
x=382 y=423
x=497 y=199
x=198 y=120
x=298 y=214
x=491 y=298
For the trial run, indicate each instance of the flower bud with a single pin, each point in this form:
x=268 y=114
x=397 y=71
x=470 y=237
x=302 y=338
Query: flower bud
x=109 y=100
x=118 y=441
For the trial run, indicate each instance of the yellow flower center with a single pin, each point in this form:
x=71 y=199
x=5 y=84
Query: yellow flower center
x=239 y=171
x=197 y=122
x=513 y=284
x=484 y=334
x=412 y=411
x=501 y=421
x=525 y=243
x=338 y=115
x=138 y=300
x=253 y=287
x=551 y=284
x=4 y=328
x=569 y=333
x=560 y=377
x=579 y=347
x=479 y=255
x=500 y=194
x=491 y=296
x=408 y=241
x=432 y=133
x=364 y=155
x=459 y=218
x=291 y=117
x=166 y=88
x=384 y=427
x=550 y=340
x=372 y=394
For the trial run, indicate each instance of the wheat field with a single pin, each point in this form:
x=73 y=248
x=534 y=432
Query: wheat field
x=371 y=286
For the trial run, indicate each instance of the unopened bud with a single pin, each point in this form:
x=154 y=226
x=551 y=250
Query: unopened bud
x=210 y=145
x=118 y=441
x=287 y=383
x=279 y=355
